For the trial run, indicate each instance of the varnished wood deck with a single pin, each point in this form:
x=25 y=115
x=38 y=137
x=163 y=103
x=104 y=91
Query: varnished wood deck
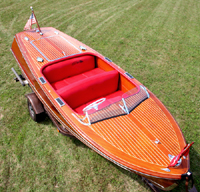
x=128 y=140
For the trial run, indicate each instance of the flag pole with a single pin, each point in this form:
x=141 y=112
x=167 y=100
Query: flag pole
x=36 y=20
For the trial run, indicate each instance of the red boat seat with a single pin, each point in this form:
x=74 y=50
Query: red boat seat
x=64 y=69
x=89 y=89
x=64 y=82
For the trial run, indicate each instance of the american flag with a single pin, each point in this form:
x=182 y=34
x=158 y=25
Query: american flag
x=30 y=22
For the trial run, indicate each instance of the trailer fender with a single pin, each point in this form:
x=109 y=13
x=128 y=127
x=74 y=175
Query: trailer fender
x=36 y=103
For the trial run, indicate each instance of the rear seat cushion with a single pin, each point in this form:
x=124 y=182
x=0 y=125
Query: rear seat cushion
x=71 y=67
x=59 y=84
x=91 y=88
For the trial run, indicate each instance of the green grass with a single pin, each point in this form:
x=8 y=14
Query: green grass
x=157 y=41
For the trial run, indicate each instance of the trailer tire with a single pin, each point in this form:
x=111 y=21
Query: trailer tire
x=36 y=117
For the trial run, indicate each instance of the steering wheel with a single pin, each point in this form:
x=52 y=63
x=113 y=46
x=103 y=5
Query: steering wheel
x=94 y=104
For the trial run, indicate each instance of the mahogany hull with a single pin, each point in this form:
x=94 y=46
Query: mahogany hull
x=148 y=122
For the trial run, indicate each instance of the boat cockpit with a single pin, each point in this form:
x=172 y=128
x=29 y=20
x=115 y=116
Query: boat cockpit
x=91 y=87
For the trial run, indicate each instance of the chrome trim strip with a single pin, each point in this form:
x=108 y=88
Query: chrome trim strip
x=26 y=38
x=82 y=48
x=129 y=75
x=42 y=80
x=60 y=101
x=106 y=58
x=39 y=59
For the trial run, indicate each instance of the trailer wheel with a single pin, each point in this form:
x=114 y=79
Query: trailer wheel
x=36 y=117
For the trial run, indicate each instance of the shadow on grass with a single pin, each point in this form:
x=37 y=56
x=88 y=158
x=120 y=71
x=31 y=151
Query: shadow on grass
x=133 y=176
x=78 y=143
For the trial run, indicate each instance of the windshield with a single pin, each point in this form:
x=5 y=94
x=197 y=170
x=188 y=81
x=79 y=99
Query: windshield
x=114 y=107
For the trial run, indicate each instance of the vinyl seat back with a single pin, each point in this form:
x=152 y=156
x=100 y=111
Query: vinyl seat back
x=89 y=89
x=64 y=69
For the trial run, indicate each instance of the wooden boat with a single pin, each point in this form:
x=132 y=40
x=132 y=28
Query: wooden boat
x=93 y=99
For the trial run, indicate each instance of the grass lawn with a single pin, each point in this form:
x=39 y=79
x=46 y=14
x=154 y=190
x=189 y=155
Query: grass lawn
x=157 y=41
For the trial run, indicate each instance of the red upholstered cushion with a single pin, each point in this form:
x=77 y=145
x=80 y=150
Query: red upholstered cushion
x=64 y=69
x=59 y=84
x=90 y=88
x=92 y=72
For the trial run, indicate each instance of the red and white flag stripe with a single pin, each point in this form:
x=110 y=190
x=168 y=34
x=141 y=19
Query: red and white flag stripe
x=30 y=22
